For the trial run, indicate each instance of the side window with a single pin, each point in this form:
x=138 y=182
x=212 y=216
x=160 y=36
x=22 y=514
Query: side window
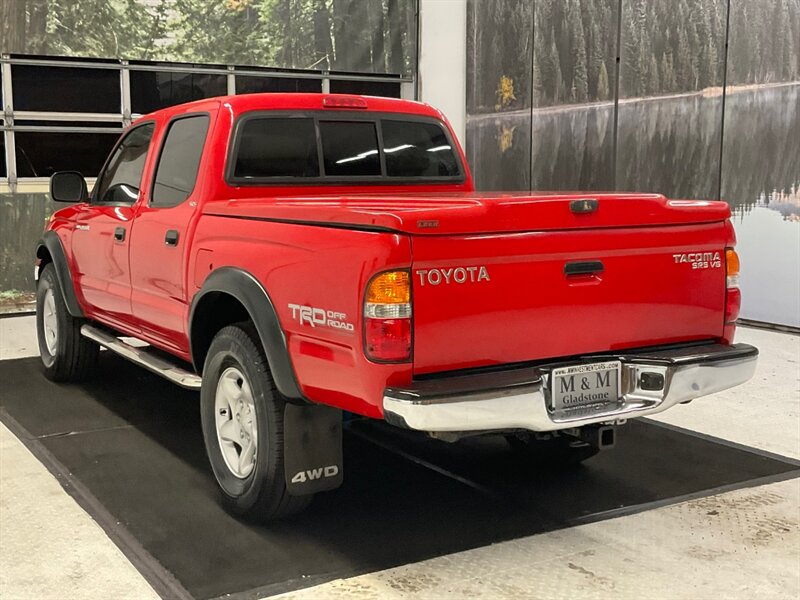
x=179 y=162
x=120 y=181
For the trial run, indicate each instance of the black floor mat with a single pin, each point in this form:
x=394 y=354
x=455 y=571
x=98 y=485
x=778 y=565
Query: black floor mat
x=134 y=442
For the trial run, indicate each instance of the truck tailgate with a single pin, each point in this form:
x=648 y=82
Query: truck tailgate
x=487 y=299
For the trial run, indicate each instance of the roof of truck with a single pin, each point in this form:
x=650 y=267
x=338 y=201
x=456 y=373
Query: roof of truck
x=308 y=101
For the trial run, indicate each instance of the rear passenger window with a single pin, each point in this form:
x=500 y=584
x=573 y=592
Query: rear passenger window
x=277 y=147
x=350 y=148
x=417 y=150
x=176 y=172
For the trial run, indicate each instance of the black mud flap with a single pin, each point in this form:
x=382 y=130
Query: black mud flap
x=312 y=457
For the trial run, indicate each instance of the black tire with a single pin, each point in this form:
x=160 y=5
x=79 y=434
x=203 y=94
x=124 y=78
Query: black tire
x=262 y=495
x=553 y=451
x=67 y=355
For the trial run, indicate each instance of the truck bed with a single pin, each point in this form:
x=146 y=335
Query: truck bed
x=510 y=278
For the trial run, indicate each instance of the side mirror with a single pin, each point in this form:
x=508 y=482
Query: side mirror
x=68 y=186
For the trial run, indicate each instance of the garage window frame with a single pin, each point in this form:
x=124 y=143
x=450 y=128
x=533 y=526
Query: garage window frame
x=118 y=122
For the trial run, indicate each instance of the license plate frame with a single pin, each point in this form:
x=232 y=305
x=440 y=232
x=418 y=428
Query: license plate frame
x=582 y=386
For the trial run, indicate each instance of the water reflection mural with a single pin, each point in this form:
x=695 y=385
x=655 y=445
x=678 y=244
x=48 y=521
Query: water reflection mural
x=638 y=95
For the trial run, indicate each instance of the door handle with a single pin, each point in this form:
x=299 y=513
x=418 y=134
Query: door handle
x=588 y=267
x=119 y=234
x=171 y=239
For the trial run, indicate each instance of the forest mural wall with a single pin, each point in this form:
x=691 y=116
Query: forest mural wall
x=643 y=95
x=344 y=36
x=348 y=35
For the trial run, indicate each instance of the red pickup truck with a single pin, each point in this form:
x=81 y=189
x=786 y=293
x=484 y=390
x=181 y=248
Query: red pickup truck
x=293 y=256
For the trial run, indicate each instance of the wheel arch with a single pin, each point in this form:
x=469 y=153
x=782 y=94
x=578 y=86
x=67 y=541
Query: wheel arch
x=50 y=250
x=230 y=295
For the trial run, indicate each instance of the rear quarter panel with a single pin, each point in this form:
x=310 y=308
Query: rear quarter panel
x=318 y=267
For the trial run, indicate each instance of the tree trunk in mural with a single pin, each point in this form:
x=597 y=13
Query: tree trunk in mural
x=377 y=25
x=12 y=26
x=395 y=26
x=323 y=45
x=351 y=35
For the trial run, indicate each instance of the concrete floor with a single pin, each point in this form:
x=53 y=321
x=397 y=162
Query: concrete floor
x=740 y=544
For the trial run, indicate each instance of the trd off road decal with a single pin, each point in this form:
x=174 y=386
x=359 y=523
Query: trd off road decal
x=320 y=317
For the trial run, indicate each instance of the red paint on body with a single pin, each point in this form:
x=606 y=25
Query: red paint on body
x=319 y=245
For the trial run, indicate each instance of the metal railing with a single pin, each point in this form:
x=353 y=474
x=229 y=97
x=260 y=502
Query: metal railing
x=63 y=121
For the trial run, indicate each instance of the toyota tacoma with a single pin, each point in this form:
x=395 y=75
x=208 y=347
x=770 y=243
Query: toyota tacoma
x=295 y=257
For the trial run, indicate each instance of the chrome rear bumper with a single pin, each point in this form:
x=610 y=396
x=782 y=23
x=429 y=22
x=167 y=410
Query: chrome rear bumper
x=518 y=398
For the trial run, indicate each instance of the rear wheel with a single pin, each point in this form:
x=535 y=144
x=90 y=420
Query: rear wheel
x=555 y=450
x=66 y=354
x=242 y=415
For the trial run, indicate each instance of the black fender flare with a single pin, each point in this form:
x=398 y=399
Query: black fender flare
x=51 y=244
x=245 y=288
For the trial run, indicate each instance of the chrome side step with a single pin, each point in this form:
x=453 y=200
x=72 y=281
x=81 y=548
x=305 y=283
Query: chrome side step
x=144 y=358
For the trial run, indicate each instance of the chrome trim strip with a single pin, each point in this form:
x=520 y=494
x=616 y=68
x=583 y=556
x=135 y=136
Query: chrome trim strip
x=143 y=358
x=517 y=399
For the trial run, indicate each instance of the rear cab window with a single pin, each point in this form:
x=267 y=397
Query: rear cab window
x=276 y=147
x=317 y=147
x=417 y=150
x=350 y=149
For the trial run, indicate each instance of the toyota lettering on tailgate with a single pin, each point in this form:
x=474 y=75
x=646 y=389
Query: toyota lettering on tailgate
x=452 y=275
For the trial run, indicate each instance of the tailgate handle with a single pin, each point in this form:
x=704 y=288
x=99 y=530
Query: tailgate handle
x=583 y=205
x=587 y=267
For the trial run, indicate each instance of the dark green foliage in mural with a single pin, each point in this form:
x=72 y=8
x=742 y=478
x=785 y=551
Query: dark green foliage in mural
x=674 y=46
x=231 y=31
x=580 y=78
x=82 y=28
x=575 y=53
x=764 y=42
x=352 y=35
x=671 y=46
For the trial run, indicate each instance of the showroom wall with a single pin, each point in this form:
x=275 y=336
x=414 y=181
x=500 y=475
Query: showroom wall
x=376 y=36
x=642 y=95
x=145 y=54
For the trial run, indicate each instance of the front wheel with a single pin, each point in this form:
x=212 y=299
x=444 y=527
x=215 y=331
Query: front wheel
x=242 y=415
x=66 y=354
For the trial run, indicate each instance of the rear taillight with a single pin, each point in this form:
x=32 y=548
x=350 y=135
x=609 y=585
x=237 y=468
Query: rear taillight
x=733 y=296
x=387 y=317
